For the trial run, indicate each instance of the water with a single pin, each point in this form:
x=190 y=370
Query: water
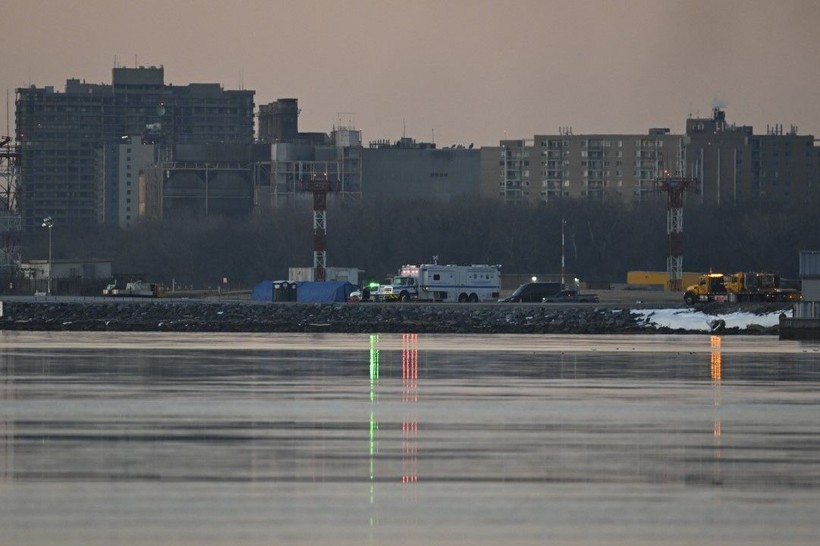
x=336 y=439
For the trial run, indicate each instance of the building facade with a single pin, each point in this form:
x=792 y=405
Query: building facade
x=121 y=169
x=295 y=157
x=407 y=169
x=68 y=140
x=737 y=166
x=550 y=167
x=732 y=164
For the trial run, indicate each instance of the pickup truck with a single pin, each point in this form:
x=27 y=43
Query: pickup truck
x=571 y=296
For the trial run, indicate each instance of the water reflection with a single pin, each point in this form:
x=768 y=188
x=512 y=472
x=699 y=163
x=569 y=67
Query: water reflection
x=715 y=342
x=410 y=395
x=575 y=440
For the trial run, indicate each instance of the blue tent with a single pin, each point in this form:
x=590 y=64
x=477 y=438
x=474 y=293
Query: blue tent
x=263 y=291
x=305 y=292
x=274 y=291
x=323 y=292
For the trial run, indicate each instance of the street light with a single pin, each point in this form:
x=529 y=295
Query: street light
x=48 y=222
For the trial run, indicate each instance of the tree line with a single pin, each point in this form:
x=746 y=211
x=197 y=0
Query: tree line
x=601 y=241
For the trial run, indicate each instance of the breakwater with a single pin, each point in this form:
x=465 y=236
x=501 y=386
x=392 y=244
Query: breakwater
x=244 y=316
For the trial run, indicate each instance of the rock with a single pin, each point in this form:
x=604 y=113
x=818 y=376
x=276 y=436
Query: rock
x=204 y=316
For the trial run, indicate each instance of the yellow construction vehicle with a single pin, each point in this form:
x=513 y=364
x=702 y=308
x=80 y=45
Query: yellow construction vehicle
x=710 y=287
x=741 y=287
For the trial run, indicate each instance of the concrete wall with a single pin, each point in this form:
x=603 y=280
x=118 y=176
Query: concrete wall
x=444 y=174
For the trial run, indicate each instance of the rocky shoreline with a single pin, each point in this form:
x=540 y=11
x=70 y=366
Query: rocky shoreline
x=243 y=316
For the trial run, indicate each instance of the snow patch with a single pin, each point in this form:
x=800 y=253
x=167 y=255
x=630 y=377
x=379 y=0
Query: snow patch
x=689 y=319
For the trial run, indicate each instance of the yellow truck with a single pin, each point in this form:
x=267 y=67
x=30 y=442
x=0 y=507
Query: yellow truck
x=740 y=287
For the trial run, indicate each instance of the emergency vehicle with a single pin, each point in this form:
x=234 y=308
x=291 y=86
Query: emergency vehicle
x=447 y=283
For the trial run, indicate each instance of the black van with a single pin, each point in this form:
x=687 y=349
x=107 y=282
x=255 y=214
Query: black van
x=533 y=292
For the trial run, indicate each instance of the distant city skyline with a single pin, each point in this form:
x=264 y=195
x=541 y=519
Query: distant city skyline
x=452 y=72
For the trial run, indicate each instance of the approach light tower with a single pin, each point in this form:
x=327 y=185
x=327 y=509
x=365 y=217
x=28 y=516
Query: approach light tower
x=319 y=186
x=11 y=226
x=675 y=188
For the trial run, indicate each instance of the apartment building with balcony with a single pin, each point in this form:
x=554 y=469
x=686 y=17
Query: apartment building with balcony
x=598 y=166
x=733 y=164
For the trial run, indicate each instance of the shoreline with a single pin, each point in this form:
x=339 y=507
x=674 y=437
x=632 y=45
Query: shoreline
x=179 y=315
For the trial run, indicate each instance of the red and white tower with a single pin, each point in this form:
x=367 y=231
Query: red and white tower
x=675 y=188
x=319 y=186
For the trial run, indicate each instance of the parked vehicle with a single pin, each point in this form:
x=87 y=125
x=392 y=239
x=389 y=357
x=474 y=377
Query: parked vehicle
x=136 y=289
x=448 y=283
x=742 y=286
x=533 y=292
x=571 y=296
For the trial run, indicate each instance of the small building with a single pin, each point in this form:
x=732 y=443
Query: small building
x=805 y=320
x=340 y=274
x=61 y=276
x=91 y=269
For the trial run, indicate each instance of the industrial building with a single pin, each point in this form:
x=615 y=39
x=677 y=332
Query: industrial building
x=404 y=169
x=75 y=159
x=407 y=169
x=294 y=157
x=805 y=320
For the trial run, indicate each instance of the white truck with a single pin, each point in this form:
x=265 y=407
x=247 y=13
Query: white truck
x=447 y=283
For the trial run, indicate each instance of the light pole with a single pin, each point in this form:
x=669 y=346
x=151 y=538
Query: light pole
x=48 y=222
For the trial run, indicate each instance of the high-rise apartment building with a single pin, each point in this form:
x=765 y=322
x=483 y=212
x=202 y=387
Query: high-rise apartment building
x=600 y=166
x=732 y=164
x=739 y=167
x=70 y=141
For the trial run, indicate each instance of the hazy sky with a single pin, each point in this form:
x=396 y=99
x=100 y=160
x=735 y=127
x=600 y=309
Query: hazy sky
x=458 y=71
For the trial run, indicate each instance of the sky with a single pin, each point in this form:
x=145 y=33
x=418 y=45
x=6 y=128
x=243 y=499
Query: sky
x=446 y=71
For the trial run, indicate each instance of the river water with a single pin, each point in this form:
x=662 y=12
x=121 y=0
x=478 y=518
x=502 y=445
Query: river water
x=207 y=439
